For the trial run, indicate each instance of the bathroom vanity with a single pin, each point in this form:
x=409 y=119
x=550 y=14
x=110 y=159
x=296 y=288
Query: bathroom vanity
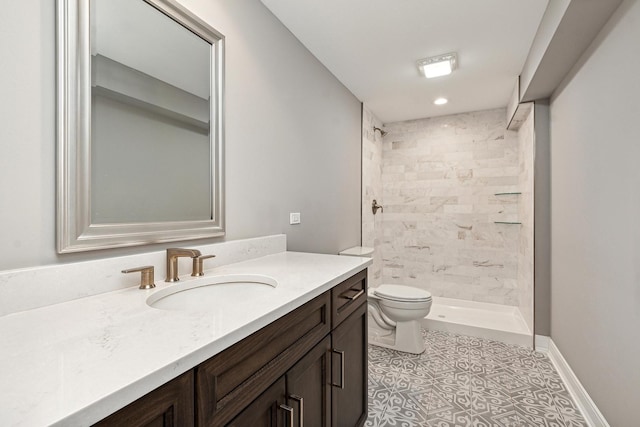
x=295 y=352
x=308 y=367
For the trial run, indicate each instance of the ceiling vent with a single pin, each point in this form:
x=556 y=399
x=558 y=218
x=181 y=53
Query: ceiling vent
x=436 y=66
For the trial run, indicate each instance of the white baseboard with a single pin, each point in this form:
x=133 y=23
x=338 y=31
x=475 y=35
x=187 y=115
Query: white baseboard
x=541 y=343
x=587 y=407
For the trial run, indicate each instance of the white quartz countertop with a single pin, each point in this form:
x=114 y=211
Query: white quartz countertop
x=76 y=362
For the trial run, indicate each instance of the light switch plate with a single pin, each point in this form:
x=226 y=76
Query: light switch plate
x=294 y=218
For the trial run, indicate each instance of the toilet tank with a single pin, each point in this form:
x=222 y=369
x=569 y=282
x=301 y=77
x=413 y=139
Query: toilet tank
x=361 y=251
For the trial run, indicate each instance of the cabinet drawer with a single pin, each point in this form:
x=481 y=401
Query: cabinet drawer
x=232 y=379
x=348 y=296
x=169 y=405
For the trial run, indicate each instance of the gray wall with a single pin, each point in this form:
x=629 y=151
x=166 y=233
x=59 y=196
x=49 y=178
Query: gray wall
x=542 y=219
x=293 y=136
x=595 y=199
x=137 y=171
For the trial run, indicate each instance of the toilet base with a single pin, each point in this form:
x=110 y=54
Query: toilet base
x=407 y=337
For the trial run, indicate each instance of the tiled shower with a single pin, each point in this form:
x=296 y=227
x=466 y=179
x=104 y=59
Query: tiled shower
x=457 y=193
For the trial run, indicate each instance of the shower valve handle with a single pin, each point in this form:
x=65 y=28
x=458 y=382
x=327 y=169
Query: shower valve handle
x=375 y=206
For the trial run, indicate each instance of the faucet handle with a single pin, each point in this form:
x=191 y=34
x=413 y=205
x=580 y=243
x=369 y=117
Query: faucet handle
x=146 y=276
x=197 y=265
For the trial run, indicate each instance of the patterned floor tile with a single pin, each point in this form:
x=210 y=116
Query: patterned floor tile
x=449 y=418
x=378 y=398
x=555 y=384
x=574 y=420
x=494 y=403
x=507 y=419
x=481 y=384
x=508 y=382
x=466 y=381
x=411 y=382
x=482 y=365
x=439 y=364
x=540 y=418
x=381 y=375
x=403 y=410
x=546 y=367
x=538 y=408
x=447 y=402
x=373 y=420
x=531 y=377
x=412 y=364
x=568 y=410
x=454 y=379
x=378 y=354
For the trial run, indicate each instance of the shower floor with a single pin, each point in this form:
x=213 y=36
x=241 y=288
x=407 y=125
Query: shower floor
x=478 y=319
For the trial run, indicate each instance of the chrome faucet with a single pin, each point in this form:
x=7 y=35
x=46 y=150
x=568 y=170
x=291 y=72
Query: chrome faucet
x=172 y=261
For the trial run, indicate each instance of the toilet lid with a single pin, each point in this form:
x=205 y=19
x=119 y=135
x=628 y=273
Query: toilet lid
x=402 y=293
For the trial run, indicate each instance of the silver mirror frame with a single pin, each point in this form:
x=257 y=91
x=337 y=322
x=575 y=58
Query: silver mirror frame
x=75 y=233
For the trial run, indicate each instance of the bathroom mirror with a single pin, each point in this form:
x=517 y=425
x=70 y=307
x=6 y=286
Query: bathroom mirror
x=140 y=124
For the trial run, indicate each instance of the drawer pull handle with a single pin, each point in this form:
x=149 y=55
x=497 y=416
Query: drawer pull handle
x=353 y=297
x=288 y=409
x=300 y=401
x=341 y=353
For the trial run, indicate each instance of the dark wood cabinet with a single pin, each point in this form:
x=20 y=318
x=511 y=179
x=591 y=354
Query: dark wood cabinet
x=231 y=380
x=301 y=397
x=309 y=388
x=170 y=405
x=347 y=296
x=349 y=397
x=307 y=368
x=266 y=411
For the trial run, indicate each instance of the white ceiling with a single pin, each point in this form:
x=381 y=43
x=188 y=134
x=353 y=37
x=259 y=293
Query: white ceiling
x=371 y=46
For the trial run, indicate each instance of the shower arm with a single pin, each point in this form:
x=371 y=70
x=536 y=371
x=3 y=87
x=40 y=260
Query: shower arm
x=382 y=133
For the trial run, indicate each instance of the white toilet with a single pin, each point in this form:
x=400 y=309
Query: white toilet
x=397 y=311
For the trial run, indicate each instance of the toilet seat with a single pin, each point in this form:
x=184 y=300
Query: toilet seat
x=401 y=293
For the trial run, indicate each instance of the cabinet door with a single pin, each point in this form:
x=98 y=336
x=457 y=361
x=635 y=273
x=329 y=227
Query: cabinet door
x=266 y=410
x=349 y=371
x=308 y=387
x=231 y=380
x=170 y=405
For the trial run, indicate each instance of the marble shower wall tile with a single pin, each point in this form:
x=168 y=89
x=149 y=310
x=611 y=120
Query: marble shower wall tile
x=440 y=177
x=372 y=189
x=526 y=143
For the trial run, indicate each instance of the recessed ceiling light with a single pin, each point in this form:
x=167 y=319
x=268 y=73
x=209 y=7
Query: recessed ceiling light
x=441 y=101
x=437 y=66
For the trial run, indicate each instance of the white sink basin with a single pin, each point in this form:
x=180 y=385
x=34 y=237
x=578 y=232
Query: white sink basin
x=213 y=292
